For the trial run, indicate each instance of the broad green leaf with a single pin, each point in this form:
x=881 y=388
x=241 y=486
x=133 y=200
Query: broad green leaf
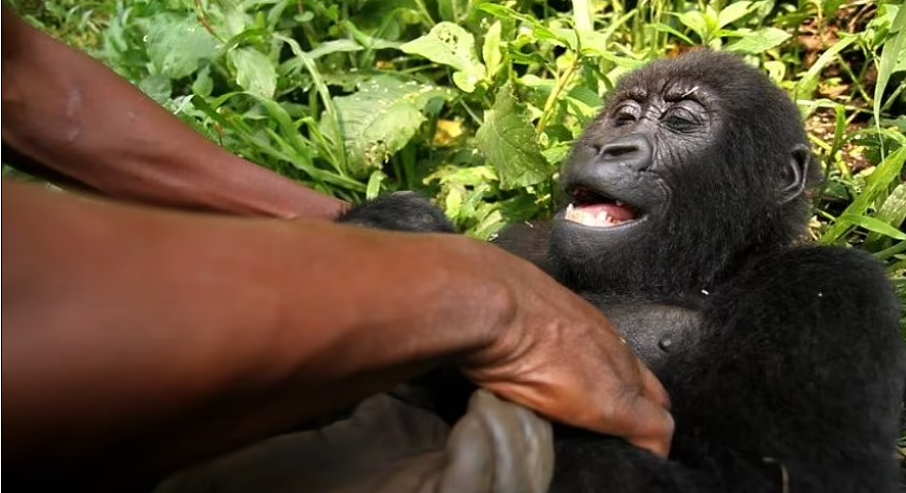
x=539 y=32
x=234 y=17
x=491 y=51
x=254 y=72
x=381 y=118
x=177 y=46
x=451 y=45
x=711 y=19
x=695 y=21
x=157 y=87
x=470 y=176
x=733 y=13
x=557 y=153
x=453 y=202
x=203 y=84
x=759 y=41
x=507 y=140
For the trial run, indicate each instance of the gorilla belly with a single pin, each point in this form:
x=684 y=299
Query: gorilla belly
x=656 y=332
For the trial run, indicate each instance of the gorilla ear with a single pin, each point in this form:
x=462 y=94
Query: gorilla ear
x=797 y=175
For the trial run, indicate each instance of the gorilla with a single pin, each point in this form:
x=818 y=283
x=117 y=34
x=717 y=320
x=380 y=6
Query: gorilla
x=684 y=204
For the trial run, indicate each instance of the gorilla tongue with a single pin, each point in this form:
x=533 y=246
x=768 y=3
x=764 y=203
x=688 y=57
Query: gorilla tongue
x=599 y=215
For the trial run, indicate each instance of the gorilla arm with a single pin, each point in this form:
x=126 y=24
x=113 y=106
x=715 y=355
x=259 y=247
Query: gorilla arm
x=73 y=121
x=806 y=336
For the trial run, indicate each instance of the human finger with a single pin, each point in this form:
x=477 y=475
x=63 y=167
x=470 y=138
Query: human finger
x=651 y=427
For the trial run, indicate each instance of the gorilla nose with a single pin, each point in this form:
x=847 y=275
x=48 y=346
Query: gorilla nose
x=633 y=151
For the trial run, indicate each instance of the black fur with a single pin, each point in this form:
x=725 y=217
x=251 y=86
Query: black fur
x=784 y=363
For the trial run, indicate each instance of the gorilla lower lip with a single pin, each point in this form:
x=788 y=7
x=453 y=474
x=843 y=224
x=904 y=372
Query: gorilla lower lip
x=599 y=215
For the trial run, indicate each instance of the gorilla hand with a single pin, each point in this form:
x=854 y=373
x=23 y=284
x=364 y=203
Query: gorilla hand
x=497 y=447
x=388 y=446
x=400 y=211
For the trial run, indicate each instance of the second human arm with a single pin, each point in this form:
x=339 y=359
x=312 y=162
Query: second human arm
x=72 y=118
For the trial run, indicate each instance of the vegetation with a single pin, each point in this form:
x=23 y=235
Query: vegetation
x=476 y=103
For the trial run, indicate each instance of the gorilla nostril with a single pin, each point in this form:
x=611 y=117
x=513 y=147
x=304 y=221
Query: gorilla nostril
x=633 y=151
x=617 y=150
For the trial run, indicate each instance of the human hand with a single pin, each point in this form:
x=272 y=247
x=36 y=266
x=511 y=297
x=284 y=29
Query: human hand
x=557 y=355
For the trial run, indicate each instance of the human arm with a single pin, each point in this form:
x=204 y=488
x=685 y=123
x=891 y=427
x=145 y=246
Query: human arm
x=84 y=123
x=171 y=337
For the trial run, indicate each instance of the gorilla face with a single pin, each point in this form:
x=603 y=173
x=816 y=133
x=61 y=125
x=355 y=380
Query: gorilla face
x=618 y=175
x=677 y=177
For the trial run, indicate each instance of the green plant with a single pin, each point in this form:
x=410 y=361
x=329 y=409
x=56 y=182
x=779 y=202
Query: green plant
x=477 y=103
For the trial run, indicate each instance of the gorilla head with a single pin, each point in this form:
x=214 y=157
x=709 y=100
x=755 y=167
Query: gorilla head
x=678 y=179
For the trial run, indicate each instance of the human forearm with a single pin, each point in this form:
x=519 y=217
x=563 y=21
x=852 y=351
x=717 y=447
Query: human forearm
x=75 y=116
x=144 y=322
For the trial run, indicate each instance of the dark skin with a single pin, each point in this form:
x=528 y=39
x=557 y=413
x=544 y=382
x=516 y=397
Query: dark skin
x=172 y=337
x=784 y=362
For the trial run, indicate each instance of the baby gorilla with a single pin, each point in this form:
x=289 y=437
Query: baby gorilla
x=784 y=363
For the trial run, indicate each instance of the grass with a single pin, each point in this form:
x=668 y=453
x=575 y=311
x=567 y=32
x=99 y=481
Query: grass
x=476 y=103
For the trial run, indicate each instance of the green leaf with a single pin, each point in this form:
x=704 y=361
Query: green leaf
x=373 y=189
x=507 y=140
x=254 y=72
x=453 y=202
x=157 y=87
x=877 y=183
x=695 y=21
x=177 y=46
x=758 y=41
x=203 y=84
x=451 y=45
x=894 y=49
x=892 y=211
x=381 y=118
x=733 y=13
x=809 y=82
x=234 y=17
x=334 y=46
x=872 y=224
x=664 y=28
x=490 y=50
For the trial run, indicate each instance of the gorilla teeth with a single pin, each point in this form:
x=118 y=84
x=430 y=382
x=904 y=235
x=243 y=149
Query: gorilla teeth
x=582 y=216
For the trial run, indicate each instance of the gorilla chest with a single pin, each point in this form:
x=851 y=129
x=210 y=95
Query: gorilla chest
x=658 y=333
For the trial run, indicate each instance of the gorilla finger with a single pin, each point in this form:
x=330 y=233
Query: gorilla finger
x=539 y=452
x=500 y=422
x=523 y=444
x=470 y=458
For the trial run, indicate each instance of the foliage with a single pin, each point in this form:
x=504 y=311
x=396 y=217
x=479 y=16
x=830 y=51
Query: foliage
x=477 y=102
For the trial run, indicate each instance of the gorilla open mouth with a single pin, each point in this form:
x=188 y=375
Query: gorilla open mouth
x=591 y=208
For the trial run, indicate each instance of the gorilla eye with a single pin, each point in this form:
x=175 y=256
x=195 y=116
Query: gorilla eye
x=623 y=119
x=680 y=120
x=625 y=114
